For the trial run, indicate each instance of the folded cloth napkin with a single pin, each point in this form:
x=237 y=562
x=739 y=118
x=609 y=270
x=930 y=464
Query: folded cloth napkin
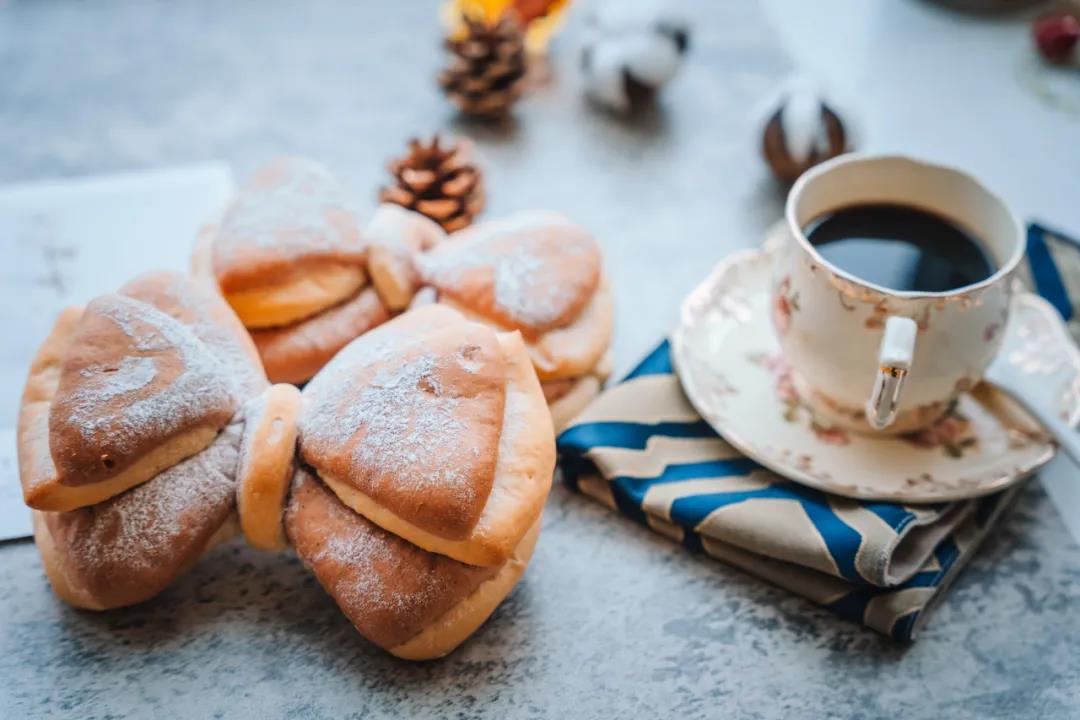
x=1053 y=270
x=640 y=448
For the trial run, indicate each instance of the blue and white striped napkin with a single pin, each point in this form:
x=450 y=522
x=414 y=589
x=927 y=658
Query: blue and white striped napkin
x=641 y=449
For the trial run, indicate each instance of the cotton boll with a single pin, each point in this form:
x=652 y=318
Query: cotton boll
x=631 y=50
x=801 y=129
x=652 y=58
x=605 y=83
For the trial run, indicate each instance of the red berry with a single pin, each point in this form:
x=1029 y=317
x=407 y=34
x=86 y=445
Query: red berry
x=1057 y=35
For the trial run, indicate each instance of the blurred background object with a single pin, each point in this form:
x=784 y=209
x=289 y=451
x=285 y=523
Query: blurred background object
x=540 y=18
x=487 y=67
x=631 y=49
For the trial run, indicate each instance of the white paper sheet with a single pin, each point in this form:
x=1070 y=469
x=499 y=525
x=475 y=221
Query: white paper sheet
x=63 y=242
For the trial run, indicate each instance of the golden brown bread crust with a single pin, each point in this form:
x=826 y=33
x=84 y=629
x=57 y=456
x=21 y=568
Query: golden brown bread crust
x=567 y=397
x=129 y=548
x=532 y=272
x=454 y=626
x=396 y=236
x=571 y=351
x=265 y=468
x=573 y=400
x=37 y=471
x=149 y=307
x=412 y=423
x=132 y=379
x=198 y=305
x=292 y=215
x=388 y=588
x=293 y=354
x=525 y=456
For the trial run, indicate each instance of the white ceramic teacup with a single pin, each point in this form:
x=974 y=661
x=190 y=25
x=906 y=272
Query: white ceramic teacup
x=873 y=359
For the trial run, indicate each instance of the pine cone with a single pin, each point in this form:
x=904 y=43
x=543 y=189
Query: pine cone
x=441 y=183
x=487 y=68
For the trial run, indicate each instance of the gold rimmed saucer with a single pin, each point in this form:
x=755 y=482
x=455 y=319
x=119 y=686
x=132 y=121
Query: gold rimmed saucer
x=728 y=360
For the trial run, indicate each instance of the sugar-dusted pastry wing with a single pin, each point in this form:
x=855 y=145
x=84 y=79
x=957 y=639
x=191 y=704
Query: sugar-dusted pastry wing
x=289 y=245
x=434 y=428
x=289 y=258
x=414 y=603
x=541 y=274
x=118 y=394
x=129 y=548
x=194 y=303
x=140 y=413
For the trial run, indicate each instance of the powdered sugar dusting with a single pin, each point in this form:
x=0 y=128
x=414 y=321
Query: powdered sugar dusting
x=370 y=559
x=252 y=413
x=288 y=213
x=406 y=418
x=114 y=404
x=133 y=373
x=526 y=288
x=536 y=266
x=387 y=586
x=153 y=528
x=207 y=316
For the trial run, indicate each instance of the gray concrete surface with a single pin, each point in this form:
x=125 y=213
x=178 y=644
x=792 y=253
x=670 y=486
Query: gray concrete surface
x=610 y=621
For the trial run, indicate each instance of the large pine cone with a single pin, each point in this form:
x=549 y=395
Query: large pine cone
x=487 y=68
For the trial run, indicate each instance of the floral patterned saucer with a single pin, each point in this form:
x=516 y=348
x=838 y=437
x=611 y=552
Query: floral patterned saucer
x=728 y=360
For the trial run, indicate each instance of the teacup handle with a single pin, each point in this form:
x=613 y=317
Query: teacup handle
x=894 y=364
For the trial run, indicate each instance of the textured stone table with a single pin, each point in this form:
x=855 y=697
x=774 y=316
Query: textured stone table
x=610 y=621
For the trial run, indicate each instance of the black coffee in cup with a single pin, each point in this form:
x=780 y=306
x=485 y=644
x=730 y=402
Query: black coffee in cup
x=900 y=247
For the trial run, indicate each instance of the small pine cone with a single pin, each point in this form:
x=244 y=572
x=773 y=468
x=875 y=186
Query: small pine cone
x=487 y=68
x=441 y=183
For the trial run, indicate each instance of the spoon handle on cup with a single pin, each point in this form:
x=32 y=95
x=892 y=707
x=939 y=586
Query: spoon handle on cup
x=1065 y=435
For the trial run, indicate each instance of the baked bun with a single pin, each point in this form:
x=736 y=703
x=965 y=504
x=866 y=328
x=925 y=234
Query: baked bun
x=568 y=397
x=396 y=237
x=130 y=547
x=289 y=258
x=289 y=246
x=435 y=429
x=294 y=353
x=415 y=604
x=266 y=465
x=118 y=392
x=195 y=303
x=129 y=437
x=538 y=273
